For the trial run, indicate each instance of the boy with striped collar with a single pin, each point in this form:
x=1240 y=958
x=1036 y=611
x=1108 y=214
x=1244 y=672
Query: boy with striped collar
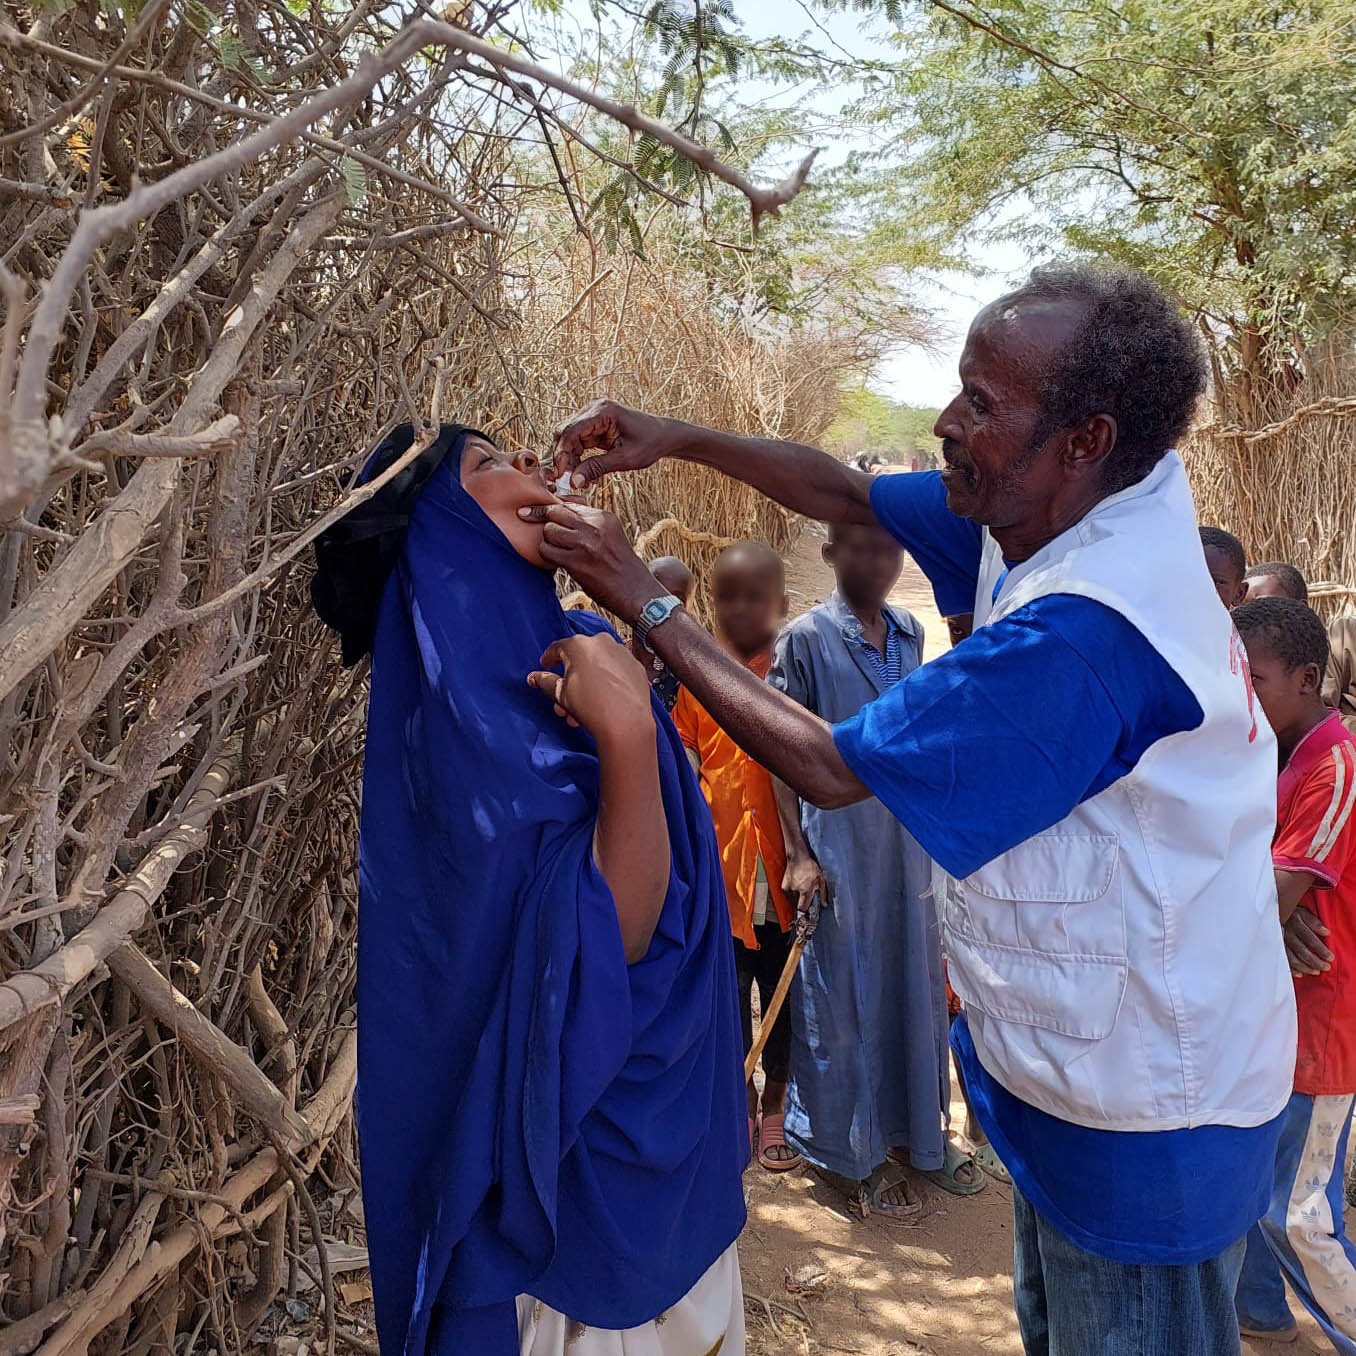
x=1314 y=856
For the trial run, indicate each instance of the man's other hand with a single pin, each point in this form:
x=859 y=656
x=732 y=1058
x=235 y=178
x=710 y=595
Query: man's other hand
x=592 y=545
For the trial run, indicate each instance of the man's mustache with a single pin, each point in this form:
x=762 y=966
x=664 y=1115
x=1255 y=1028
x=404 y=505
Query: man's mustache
x=951 y=455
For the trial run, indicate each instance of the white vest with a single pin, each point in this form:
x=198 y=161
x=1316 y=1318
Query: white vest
x=1124 y=969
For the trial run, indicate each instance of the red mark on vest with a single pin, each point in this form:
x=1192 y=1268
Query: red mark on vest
x=1238 y=663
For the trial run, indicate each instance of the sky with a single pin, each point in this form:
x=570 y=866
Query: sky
x=914 y=375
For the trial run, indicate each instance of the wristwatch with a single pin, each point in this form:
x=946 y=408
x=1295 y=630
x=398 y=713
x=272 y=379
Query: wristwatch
x=655 y=613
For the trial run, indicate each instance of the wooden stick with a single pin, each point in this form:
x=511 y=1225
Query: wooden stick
x=805 y=927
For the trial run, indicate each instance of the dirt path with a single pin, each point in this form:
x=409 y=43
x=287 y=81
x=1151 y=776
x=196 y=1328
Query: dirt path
x=940 y=1286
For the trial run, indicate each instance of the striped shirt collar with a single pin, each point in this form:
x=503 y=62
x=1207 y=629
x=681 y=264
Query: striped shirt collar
x=1314 y=747
x=888 y=668
x=852 y=628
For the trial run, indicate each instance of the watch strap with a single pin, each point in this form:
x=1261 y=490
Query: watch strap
x=655 y=613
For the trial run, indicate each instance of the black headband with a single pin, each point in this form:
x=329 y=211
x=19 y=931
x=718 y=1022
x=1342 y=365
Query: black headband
x=355 y=556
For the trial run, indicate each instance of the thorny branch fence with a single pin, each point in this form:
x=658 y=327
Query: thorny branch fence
x=236 y=241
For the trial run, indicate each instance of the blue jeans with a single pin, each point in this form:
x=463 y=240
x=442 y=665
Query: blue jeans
x=1074 y=1303
x=1303 y=1233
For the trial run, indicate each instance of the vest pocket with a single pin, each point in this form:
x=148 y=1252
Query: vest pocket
x=1037 y=935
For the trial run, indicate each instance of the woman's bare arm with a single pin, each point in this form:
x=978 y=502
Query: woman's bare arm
x=631 y=843
x=604 y=689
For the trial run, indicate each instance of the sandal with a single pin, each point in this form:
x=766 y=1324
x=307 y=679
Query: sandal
x=857 y=1193
x=955 y=1162
x=1282 y=1335
x=987 y=1158
x=770 y=1136
x=882 y=1181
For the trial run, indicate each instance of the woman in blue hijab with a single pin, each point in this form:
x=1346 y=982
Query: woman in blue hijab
x=550 y=1100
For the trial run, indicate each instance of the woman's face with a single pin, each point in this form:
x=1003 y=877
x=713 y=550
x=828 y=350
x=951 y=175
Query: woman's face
x=502 y=483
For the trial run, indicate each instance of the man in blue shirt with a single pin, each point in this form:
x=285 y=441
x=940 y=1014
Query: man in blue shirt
x=1086 y=768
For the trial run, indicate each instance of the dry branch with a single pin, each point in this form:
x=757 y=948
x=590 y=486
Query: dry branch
x=216 y=1051
x=28 y=992
x=219 y=287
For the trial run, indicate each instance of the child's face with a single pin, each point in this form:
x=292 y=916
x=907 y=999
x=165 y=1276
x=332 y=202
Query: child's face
x=1286 y=695
x=866 y=563
x=502 y=483
x=1264 y=586
x=1228 y=580
x=749 y=602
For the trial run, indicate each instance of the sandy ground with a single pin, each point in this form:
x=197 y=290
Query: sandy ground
x=940 y=1285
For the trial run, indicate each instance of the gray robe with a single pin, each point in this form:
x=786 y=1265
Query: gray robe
x=869 y=1067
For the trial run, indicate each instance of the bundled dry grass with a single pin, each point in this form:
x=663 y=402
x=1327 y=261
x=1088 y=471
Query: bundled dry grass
x=1278 y=468
x=644 y=331
x=210 y=314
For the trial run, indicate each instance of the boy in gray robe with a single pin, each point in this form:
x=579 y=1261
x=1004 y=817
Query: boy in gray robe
x=869 y=1063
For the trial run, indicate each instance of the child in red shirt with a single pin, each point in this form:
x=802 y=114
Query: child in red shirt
x=1314 y=855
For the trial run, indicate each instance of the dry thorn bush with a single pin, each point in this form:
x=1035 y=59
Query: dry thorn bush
x=643 y=331
x=216 y=296
x=1277 y=467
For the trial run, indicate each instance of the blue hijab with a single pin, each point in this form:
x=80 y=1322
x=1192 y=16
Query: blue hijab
x=535 y=1116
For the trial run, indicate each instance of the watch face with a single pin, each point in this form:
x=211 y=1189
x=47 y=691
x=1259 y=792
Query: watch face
x=654 y=610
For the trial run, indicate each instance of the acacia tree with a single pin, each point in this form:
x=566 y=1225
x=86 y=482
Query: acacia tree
x=1212 y=144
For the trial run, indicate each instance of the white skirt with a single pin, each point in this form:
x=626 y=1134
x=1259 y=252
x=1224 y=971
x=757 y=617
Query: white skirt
x=707 y=1321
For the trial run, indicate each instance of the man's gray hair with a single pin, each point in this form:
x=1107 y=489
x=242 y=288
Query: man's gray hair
x=1134 y=356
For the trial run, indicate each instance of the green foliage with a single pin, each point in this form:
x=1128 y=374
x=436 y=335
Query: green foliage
x=695 y=44
x=1211 y=142
x=874 y=424
x=355 y=180
x=816 y=262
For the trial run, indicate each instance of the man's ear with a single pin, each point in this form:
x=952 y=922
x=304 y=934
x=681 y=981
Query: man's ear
x=1089 y=445
x=826 y=553
x=786 y=604
x=1311 y=680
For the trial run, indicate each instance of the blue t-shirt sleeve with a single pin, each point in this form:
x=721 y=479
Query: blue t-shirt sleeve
x=912 y=509
x=1007 y=733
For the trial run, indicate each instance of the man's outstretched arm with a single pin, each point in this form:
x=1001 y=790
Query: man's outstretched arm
x=791 y=742
x=794 y=744
x=800 y=478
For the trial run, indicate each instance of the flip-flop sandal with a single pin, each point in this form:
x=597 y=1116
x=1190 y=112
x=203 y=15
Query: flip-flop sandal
x=1290 y=1334
x=770 y=1136
x=945 y=1176
x=858 y=1196
x=882 y=1181
x=987 y=1158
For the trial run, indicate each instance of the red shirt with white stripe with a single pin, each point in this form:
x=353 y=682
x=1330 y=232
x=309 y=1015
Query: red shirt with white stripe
x=1316 y=832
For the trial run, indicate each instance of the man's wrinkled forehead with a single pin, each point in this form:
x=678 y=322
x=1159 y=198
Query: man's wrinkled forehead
x=1023 y=331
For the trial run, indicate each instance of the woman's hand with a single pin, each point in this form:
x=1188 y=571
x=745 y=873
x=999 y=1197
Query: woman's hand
x=604 y=689
x=600 y=686
x=629 y=440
